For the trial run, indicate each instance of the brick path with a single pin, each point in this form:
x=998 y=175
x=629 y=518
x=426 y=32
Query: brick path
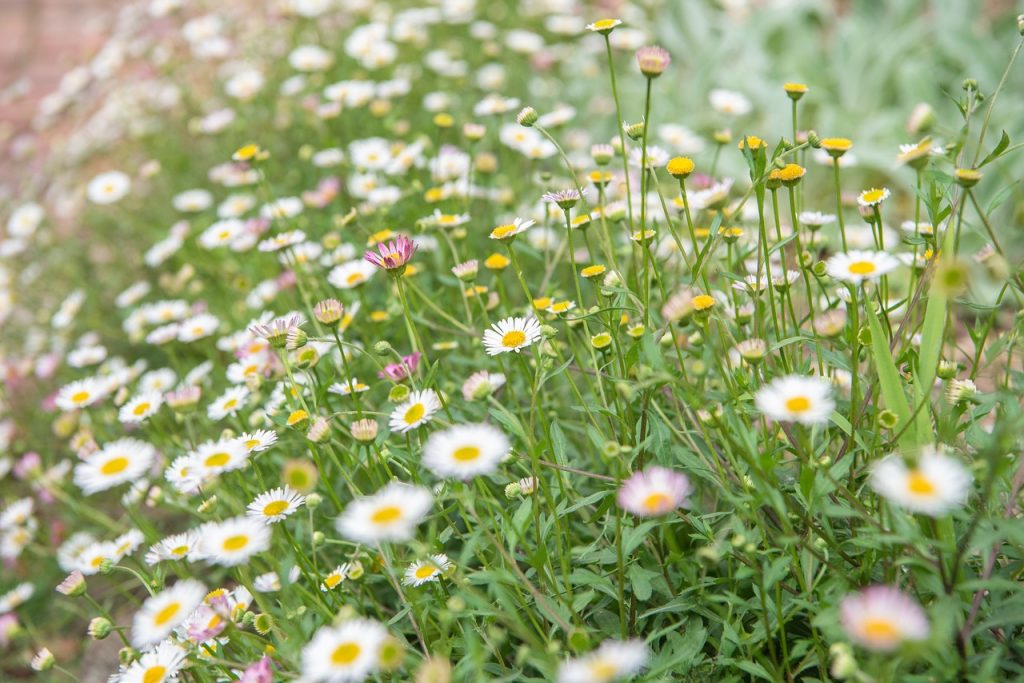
x=40 y=40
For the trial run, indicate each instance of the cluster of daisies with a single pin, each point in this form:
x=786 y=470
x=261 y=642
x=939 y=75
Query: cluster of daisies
x=422 y=382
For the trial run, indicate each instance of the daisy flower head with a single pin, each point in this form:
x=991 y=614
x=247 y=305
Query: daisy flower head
x=258 y=441
x=233 y=541
x=276 y=331
x=880 y=618
x=229 y=403
x=118 y=462
x=335 y=577
x=654 y=491
x=935 y=485
x=482 y=384
x=857 y=266
x=614 y=660
x=729 y=102
x=465 y=451
x=604 y=26
x=653 y=60
x=392 y=256
x=873 y=197
x=108 y=188
x=351 y=274
x=794 y=398
x=176 y=547
x=141 y=407
x=511 y=334
x=507 y=231
x=414 y=411
x=162 y=612
x=224 y=455
x=426 y=571
x=80 y=394
x=565 y=199
x=159 y=665
x=347 y=652
x=390 y=514
x=273 y=506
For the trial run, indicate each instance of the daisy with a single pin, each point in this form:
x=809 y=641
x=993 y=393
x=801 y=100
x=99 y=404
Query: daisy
x=511 y=334
x=510 y=230
x=857 y=266
x=161 y=613
x=654 y=491
x=882 y=617
x=348 y=387
x=229 y=403
x=794 y=398
x=873 y=197
x=344 y=653
x=159 y=665
x=80 y=394
x=729 y=102
x=141 y=407
x=392 y=256
x=108 y=188
x=613 y=660
x=390 y=514
x=16 y=597
x=604 y=26
x=197 y=327
x=351 y=274
x=224 y=455
x=416 y=410
x=335 y=578
x=233 y=541
x=258 y=441
x=116 y=463
x=282 y=240
x=482 y=384
x=936 y=485
x=426 y=571
x=465 y=451
x=173 y=548
x=273 y=506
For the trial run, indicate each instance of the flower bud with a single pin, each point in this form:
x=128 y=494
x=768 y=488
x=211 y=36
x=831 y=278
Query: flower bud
x=364 y=430
x=100 y=628
x=382 y=348
x=43 y=661
x=526 y=117
x=263 y=623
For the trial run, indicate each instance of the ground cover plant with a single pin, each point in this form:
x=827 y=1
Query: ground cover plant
x=518 y=341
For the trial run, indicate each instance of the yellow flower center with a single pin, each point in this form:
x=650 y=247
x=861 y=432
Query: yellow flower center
x=425 y=572
x=333 y=580
x=386 y=514
x=604 y=24
x=141 y=408
x=872 y=196
x=166 y=614
x=919 y=484
x=655 y=502
x=502 y=231
x=115 y=465
x=354 y=278
x=466 y=453
x=275 y=508
x=513 y=339
x=880 y=629
x=233 y=543
x=80 y=396
x=154 y=674
x=798 y=404
x=703 y=301
x=179 y=551
x=217 y=460
x=231 y=403
x=862 y=268
x=603 y=670
x=251 y=443
x=414 y=414
x=345 y=654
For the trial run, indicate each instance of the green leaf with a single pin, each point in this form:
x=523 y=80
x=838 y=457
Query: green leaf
x=1003 y=143
x=889 y=377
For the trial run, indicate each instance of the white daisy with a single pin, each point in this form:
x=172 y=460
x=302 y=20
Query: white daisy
x=414 y=411
x=161 y=613
x=273 y=506
x=80 y=394
x=108 y=188
x=793 y=398
x=613 y=660
x=335 y=577
x=140 y=407
x=214 y=457
x=882 y=617
x=159 y=665
x=229 y=403
x=349 y=386
x=426 y=571
x=351 y=274
x=233 y=541
x=511 y=334
x=465 y=451
x=258 y=441
x=197 y=327
x=857 y=266
x=344 y=653
x=934 y=486
x=390 y=514
x=116 y=463
x=173 y=548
